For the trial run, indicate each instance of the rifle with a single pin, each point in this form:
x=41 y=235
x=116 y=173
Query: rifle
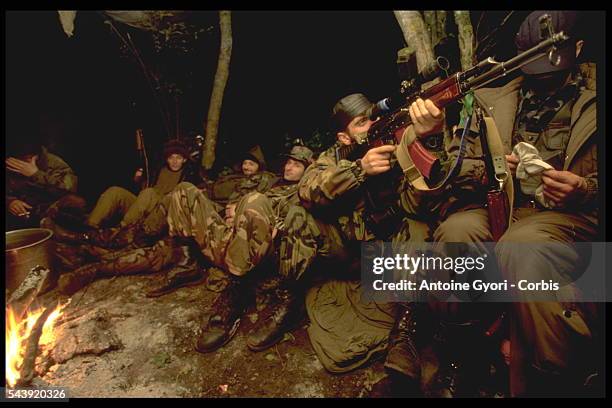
x=143 y=162
x=392 y=117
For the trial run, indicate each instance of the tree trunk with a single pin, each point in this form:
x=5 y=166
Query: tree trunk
x=466 y=39
x=416 y=36
x=216 y=99
x=435 y=21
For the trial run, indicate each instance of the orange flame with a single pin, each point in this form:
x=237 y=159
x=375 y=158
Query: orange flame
x=16 y=334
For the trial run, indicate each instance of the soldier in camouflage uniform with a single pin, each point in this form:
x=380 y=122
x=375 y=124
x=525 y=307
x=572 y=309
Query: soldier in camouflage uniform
x=238 y=244
x=95 y=247
x=550 y=107
x=35 y=181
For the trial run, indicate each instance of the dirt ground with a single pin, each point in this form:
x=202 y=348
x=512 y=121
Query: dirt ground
x=115 y=342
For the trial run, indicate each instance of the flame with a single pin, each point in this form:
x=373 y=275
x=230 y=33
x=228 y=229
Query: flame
x=18 y=331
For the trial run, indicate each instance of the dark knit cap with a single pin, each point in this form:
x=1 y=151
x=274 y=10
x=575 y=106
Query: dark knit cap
x=175 y=147
x=529 y=35
x=347 y=109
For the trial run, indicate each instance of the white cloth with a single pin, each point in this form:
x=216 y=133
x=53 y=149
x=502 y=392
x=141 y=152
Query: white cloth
x=529 y=172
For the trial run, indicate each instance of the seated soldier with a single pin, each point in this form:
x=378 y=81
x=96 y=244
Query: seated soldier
x=141 y=216
x=238 y=244
x=35 y=180
x=228 y=190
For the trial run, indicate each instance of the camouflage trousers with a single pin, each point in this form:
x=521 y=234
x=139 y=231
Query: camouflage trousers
x=136 y=261
x=305 y=238
x=148 y=208
x=236 y=248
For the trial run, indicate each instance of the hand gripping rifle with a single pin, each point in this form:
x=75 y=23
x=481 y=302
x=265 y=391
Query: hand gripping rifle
x=392 y=117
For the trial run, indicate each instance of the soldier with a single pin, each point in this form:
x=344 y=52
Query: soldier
x=117 y=201
x=237 y=245
x=551 y=108
x=143 y=217
x=35 y=179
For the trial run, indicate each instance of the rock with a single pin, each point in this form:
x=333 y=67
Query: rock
x=87 y=334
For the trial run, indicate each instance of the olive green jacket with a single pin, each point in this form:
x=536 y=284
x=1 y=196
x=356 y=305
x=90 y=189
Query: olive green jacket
x=53 y=180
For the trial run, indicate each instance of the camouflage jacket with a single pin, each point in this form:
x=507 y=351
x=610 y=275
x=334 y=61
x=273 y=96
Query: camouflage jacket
x=53 y=180
x=331 y=186
x=283 y=195
x=232 y=187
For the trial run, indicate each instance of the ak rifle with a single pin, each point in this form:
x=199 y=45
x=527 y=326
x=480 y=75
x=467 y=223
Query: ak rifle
x=392 y=117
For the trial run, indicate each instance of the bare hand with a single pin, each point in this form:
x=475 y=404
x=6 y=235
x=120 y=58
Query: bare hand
x=513 y=162
x=26 y=168
x=377 y=160
x=19 y=208
x=562 y=187
x=138 y=175
x=426 y=117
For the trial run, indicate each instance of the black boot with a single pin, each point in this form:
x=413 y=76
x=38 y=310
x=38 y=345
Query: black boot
x=463 y=360
x=402 y=355
x=62 y=234
x=225 y=318
x=285 y=315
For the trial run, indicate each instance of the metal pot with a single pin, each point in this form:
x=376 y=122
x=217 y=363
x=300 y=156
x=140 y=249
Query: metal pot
x=26 y=249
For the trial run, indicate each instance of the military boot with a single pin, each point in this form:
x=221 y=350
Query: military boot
x=225 y=318
x=62 y=234
x=285 y=315
x=463 y=360
x=402 y=355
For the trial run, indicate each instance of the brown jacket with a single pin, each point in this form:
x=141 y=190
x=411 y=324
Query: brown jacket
x=581 y=152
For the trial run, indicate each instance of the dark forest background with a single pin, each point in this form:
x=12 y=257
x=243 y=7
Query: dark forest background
x=86 y=97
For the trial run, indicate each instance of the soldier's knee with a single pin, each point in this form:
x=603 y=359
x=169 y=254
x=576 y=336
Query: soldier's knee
x=115 y=191
x=254 y=197
x=461 y=227
x=184 y=185
x=148 y=193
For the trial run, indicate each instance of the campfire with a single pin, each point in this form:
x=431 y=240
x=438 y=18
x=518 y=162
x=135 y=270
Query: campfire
x=24 y=336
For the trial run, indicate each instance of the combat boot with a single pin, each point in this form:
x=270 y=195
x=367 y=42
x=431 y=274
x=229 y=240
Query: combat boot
x=463 y=360
x=285 y=315
x=225 y=318
x=402 y=355
x=62 y=234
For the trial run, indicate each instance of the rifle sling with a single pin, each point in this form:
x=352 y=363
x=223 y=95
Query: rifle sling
x=417 y=180
x=412 y=172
